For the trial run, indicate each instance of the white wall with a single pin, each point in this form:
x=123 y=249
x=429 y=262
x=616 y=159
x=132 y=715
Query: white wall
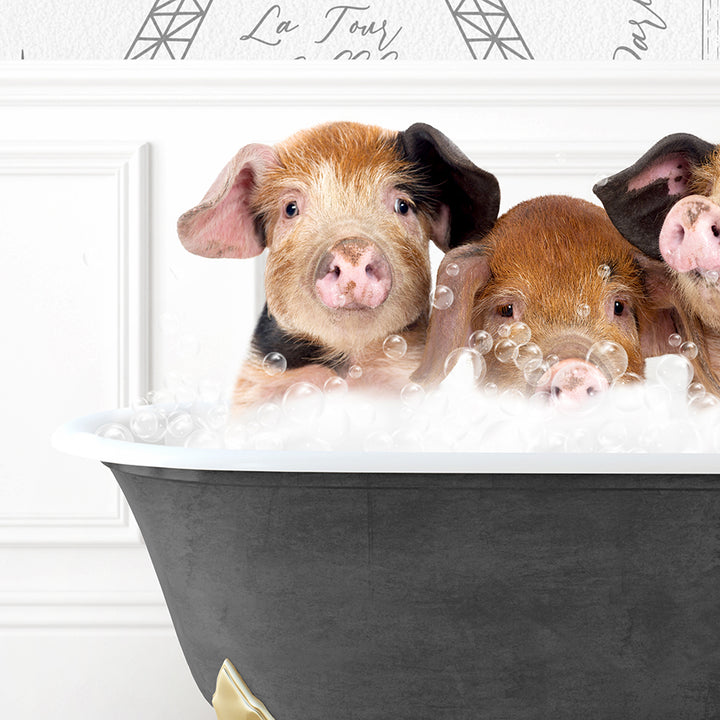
x=100 y=302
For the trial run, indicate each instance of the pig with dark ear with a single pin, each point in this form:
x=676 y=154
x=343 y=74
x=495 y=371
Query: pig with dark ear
x=569 y=304
x=346 y=212
x=667 y=204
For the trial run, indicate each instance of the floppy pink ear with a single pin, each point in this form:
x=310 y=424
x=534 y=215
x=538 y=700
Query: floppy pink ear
x=223 y=224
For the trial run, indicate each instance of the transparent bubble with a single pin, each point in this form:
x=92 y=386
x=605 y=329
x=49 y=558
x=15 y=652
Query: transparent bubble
x=452 y=269
x=443 y=297
x=711 y=276
x=468 y=360
x=552 y=360
x=235 y=436
x=519 y=333
x=512 y=402
x=165 y=399
x=675 y=340
x=612 y=436
x=180 y=425
x=412 y=395
x=708 y=401
x=268 y=415
x=674 y=372
x=302 y=402
x=139 y=402
x=604 y=271
x=335 y=386
x=115 y=431
x=355 y=372
x=482 y=341
x=202 y=438
x=609 y=357
x=529 y=357
x=406 y=440
x=147 y=424
x=394 y=347
x=490 y=388
x=504 y=330
x=274 y=363
x=506 y=350
x=689 y=350
x=583 y=310
x=378 y=441
x=695 y=389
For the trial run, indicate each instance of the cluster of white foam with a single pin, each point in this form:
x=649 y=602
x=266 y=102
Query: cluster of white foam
x=665 y=413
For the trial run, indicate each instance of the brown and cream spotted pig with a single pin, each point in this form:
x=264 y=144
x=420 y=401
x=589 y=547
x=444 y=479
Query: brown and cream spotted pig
x=346 y=212
x=558 y=265
x=667 y=204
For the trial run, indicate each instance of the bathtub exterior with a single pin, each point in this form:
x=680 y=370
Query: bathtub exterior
x=341 y=595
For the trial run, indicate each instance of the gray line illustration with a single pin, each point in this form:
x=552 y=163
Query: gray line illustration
x=710 y=30
x=169 y=29
x=488 y=29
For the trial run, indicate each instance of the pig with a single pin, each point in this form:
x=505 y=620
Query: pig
x=346 y=212
x=667 y=204
x=559 y=266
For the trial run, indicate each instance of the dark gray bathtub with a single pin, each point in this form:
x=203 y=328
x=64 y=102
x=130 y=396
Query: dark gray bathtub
x=458 y=596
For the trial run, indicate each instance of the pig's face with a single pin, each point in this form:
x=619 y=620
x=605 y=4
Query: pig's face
x=668 y=205
x=558 y=266
x=347 y=230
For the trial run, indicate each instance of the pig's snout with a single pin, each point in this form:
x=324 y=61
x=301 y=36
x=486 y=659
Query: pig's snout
x=572 y=382
x=690 y=235
x=353 y=275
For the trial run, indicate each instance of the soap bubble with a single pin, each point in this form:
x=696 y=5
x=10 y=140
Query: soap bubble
x=468 y=359
x=504 y=330
x=612 y=436
x=695 y=389
x=708 y=401
x=674 y=372
x=689 y=350
x=536 y=374
x=519 y=333
x=139 y=402
x=202 y=438
x=147 y=424
x=711 y=276
x=268 y=414
x=274 y=363
x=394 y=347
x=529 y=356
x=583 y=310
x=406 y=440
x=506 y=350
x=335 y=386
x=512 y=402
x=180 y=425
x=114 y=431
x=552 y=359
x=452 y=269
x=443 y=297
x=302 y=402
x=675 y=340
x=412 y=395
x=481 y=340
x=609 y=357
x=355 y=372
x=604 y=271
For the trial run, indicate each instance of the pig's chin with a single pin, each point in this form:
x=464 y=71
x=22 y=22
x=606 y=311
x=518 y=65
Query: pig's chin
x=702 y=295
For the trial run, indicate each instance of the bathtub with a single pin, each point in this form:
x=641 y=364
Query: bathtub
x=435 y=585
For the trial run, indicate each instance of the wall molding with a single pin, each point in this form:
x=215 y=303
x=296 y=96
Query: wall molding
x=127 y=164
x=373 y=83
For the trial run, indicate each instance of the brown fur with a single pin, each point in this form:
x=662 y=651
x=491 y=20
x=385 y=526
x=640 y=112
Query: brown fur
x=543 y=258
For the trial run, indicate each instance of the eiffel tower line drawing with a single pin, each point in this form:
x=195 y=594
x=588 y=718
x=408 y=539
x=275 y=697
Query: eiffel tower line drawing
x=169 y=29
x=488 y=29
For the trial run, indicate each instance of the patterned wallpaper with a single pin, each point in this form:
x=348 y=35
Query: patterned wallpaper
x=472 y=30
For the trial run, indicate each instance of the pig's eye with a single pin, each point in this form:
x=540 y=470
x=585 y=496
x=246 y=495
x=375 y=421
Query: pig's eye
x=402 y=207
x=506 y=311
x=619 y=307
x=291 y=209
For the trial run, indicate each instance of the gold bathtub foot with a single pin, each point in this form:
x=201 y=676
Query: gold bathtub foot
x=233 y=700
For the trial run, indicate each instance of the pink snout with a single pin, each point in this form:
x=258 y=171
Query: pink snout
x=353 y=275
x=573 y=382
x=690 y=235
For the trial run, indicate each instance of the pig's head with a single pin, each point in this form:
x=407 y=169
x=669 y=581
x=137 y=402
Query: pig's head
x=668 y=205
x=346 y=212
x=557 y=265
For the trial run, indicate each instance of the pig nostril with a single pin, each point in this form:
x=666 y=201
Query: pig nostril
x=591 y=391
x=715 y=231
x=556 y=392
x=335 y=271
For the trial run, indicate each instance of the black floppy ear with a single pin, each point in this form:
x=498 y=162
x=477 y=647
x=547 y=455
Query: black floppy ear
x=638 y=198
x=470 y=194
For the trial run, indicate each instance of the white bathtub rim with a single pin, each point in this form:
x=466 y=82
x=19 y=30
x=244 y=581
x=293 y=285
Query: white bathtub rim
x=77 y=437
